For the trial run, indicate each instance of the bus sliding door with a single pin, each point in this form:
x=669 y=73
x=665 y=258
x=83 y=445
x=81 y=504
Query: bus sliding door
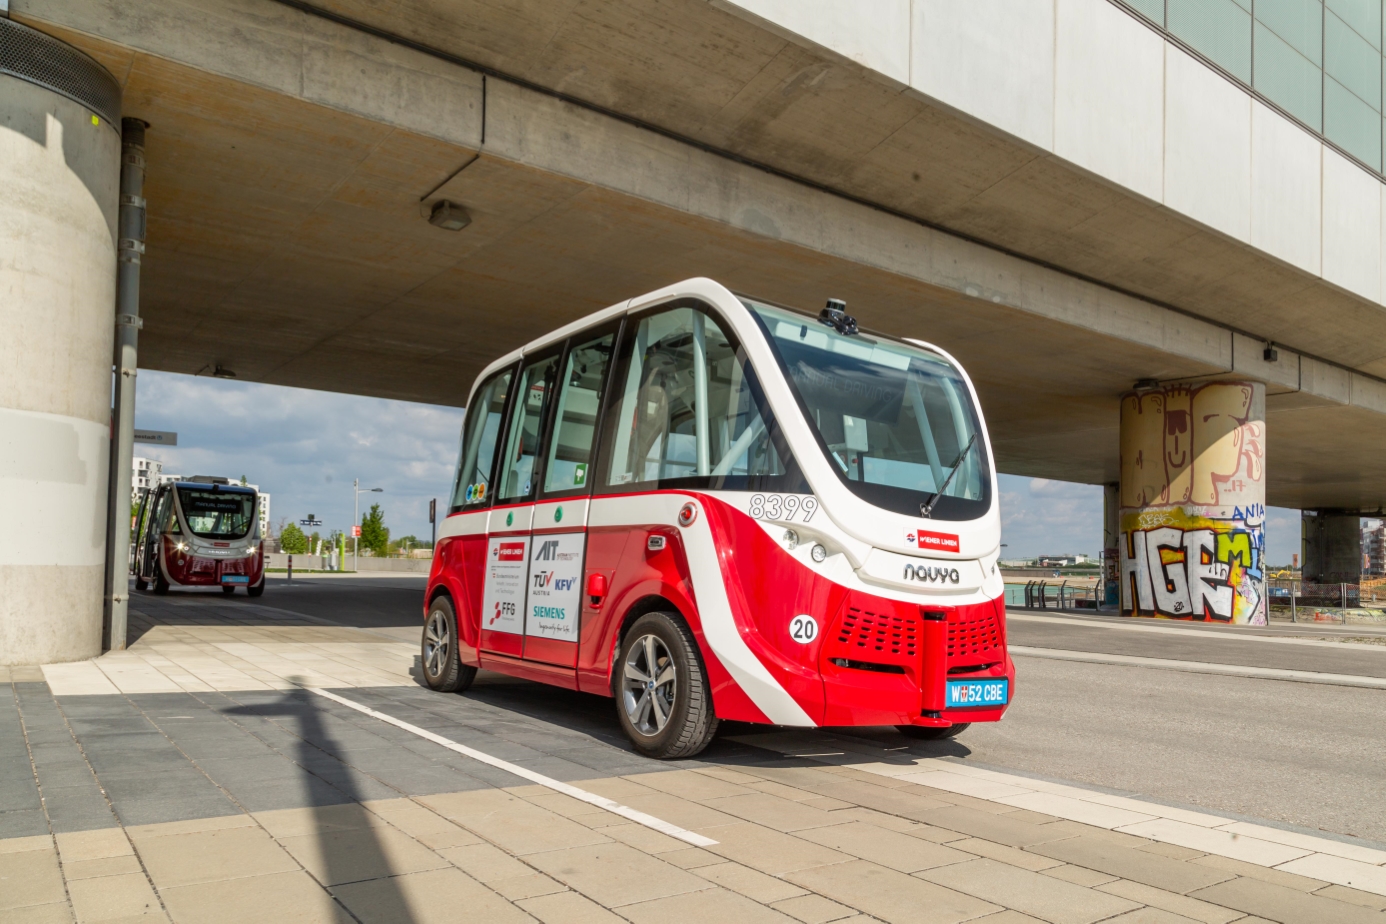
x=554 y=596
x=508 y=531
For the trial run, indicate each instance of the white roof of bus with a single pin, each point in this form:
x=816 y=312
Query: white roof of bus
x=597 y=317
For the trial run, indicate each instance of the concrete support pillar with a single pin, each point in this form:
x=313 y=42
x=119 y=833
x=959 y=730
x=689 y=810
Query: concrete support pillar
x=59 y=170
x=1193 y=495
x=1332 y=546
x=1111 y=543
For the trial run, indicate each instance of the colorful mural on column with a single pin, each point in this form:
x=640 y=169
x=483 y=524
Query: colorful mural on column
x=1193 y=502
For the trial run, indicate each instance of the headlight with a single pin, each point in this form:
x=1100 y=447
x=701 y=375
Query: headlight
x=182 y=546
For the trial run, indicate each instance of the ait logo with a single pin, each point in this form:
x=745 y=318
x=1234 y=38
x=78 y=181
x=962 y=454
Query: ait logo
x=548 y=551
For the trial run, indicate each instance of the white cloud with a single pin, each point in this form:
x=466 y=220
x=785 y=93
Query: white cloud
x=305 y=447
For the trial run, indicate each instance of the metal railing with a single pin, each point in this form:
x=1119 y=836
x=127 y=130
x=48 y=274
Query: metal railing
x=1296 y=596
x=1046 y=595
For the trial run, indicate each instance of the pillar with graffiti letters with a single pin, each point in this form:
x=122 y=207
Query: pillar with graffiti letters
x=1193 y=502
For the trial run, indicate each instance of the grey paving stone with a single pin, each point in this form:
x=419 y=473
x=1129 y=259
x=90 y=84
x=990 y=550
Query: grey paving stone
x=265 y=797
x=23 y=823
x=78 y=774
x=260 y=768
x=158 y=811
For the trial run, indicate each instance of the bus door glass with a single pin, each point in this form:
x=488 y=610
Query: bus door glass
x=554 y=594
x=507 y=542
x=471 y=496
x=152 y=536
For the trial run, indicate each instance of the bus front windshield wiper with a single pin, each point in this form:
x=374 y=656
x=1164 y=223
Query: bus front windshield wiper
x=926 y=509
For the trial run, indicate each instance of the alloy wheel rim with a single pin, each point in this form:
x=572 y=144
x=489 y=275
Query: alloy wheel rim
x=648 y=685
x=436 y=643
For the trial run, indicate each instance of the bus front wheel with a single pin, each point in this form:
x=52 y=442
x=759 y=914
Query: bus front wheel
x=227 y=589
x=663 y=699
x=141 y=584
x=441 y=668
x=160 y=583
x=257 y=590
x=923 y=733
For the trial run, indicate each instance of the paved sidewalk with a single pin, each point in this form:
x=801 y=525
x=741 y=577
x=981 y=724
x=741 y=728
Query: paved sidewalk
x=193 y=778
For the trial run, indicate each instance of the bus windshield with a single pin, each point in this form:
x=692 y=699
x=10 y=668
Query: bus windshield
x=896 y=421
x=217 y=514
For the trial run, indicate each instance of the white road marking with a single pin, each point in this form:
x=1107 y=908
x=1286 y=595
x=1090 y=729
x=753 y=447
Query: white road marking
x=1202 y=667
x=649 y=821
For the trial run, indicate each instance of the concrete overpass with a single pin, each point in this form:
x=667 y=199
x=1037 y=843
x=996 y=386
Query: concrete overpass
x=1063 y=195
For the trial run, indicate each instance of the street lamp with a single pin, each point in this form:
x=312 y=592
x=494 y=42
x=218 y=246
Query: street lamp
x=356 y=537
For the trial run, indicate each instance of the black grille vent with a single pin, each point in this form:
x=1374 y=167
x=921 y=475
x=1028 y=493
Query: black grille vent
x=43 y=60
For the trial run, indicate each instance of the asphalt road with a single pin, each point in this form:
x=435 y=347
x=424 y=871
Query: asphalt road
x=1304 y=754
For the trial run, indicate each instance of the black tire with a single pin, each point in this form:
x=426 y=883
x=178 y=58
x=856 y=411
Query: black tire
x=141 y=584
x=438 y=651
x=923 y=733
x=227 y=589
x=689 y=721
x=257 y=590
x=160 y=583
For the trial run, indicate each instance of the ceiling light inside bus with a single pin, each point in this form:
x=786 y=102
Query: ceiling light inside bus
x=449 y=215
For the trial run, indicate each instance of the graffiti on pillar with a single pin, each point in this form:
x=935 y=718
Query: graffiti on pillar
x=1193 y=503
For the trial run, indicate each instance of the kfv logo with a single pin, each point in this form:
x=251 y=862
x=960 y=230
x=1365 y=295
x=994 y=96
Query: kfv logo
x=548 y=551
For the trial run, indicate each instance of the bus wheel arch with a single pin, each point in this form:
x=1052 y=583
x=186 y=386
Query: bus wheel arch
x=439 y=650
x=660 y=683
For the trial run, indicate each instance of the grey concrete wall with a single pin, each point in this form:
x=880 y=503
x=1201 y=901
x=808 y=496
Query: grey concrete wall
x=59 y=176
x=1332 y=548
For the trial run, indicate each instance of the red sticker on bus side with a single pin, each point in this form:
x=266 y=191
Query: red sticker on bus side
x=939 y=542
x=511 y=551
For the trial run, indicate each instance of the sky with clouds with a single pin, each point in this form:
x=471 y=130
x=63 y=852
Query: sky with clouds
x=305 y=447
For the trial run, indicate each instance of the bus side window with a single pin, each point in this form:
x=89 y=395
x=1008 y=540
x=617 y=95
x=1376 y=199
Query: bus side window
x=532 y=395
x=684 y=406
x=480 y=436
x=575 y=418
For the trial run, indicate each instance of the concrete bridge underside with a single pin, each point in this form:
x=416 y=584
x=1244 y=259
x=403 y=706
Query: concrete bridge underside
x=292 y=160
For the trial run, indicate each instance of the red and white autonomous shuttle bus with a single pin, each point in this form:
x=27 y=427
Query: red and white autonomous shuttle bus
x=711 y=508
x=203 y=532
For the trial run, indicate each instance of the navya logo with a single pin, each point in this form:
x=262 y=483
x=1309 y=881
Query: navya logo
x=548 y=551
x=549 y=612
x=931 y=575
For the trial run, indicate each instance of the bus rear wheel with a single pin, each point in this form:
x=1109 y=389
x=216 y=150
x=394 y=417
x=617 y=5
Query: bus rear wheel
x=442 y=669
x=257 y=590
x=227 y=589
x=663 y=699
x=141 y=584
x=923 y=733
x=160 y=583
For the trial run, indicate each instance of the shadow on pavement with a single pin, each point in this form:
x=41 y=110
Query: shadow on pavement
x=349 y=848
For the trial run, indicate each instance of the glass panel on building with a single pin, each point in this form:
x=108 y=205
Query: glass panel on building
x=1351 y=60
x=1298 y=23
x=1351 y=124
x=1362 y=16
x=1220 y=30
x=1287 y=78
x=1150 y=9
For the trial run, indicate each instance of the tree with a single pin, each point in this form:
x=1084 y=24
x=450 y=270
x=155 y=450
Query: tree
x=374 y=535
x=292 y=540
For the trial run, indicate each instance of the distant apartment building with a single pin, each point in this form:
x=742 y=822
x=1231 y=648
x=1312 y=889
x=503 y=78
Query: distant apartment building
x=144 y=476
x=1374 y=547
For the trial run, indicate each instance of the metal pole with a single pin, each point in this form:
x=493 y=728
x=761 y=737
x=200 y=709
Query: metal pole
x=355 y=539
x=125 y=360
x=1294 y=601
